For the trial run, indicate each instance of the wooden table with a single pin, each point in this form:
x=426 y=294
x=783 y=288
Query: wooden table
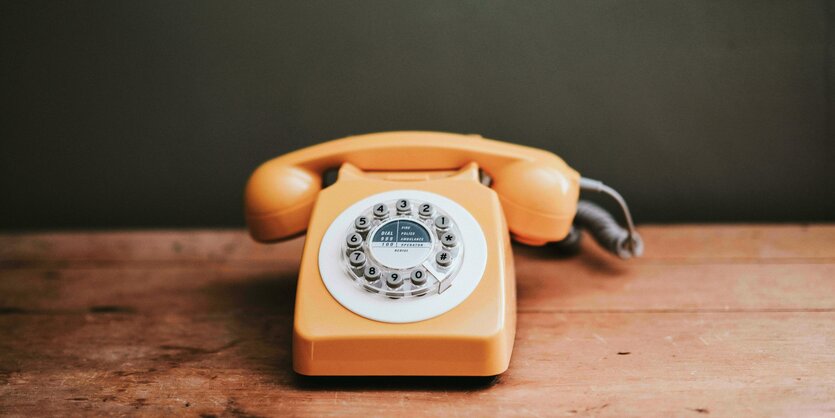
x=714 y=320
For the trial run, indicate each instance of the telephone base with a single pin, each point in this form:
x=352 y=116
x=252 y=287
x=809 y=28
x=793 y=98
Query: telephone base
x=472 y=337
x=452 y=355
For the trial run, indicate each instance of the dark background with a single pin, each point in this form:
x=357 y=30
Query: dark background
x=152 y=114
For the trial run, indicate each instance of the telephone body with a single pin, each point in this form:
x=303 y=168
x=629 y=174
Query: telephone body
x=407 y=266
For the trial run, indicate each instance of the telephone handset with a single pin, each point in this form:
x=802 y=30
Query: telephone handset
x=407 y=266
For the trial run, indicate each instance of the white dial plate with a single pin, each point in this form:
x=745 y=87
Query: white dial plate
x=371 y=306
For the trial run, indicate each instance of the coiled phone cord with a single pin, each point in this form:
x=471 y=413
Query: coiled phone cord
x=625 y=243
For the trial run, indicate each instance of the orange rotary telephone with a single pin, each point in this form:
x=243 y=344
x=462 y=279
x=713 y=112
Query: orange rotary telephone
x=407 y=266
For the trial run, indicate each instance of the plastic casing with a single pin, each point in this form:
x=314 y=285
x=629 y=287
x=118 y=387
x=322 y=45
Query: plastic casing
x=473 y=339
x=533 y=195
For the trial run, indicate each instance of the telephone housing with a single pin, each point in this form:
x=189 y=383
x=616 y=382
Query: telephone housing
x=425 y=295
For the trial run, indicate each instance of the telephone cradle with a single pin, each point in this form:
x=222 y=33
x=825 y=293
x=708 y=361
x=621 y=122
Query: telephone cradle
x=407 y=266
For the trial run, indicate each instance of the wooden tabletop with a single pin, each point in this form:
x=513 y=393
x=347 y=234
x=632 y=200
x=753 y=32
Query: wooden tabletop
x=713 y=321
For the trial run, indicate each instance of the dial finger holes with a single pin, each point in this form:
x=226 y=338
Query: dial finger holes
x=362 y=223
x=371 y=273
x=418 y=277
x=353 y=240
x=403 y=248
x=357 y=258
x=381 y=210
x=426 y=210
x=403 y=207
x=444 y=258
x=442 y=222
x=394 y=280
x=449 y=239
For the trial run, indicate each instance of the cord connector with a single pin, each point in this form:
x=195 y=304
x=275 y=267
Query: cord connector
x=606 y=231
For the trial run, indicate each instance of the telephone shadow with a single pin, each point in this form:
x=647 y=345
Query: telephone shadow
x=262 y=320
x=395 y=383
x=558 y=276
x=589 y=254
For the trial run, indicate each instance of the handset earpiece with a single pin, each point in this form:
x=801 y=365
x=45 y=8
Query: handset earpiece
x=278 y=199
x=539 y=200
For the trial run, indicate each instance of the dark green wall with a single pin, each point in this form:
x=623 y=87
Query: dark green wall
x=134 y=114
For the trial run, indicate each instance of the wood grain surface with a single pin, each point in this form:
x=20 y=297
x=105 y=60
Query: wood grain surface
x=713 y=321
